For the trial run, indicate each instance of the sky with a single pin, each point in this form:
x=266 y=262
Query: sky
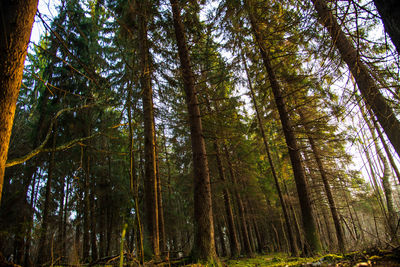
x=47 y=10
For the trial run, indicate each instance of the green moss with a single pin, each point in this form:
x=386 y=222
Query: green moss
x=332 y=258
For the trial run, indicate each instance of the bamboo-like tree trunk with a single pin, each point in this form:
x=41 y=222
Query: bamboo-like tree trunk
x=16 y=19
x=366 y=84
x=310 y=230
x=204 y=245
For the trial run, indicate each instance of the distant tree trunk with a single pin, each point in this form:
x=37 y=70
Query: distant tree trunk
x=93 y=228
x=16 y=19
x=60 y=239
x=385 y=179
x=241 y=211
x=309 y=226
x=86 y=183
x=233 y=239
x=390 y=15
x=64 y=240
x=385 y=146
x=204 y=245
x=293 y=247
x=325 y=181
x=163 y=241
x=133 y=181
x=150 y=180
x=43 y=243
x=366 y=84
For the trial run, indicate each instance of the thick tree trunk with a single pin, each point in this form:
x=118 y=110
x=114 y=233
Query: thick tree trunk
x=310 y=230
x=150 y=180
x=366 y=84
x=16 y=20
x=204 y=245
x=390 y=14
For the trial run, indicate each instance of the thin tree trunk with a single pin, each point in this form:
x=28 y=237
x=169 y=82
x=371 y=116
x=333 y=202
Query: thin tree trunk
x=233 y=239
x=385 y=179
x=293 y=247
x=16 y=18
x=43 y=245
x=366 y=84
x=204 y=245
x=325 y=181
x=385 y=146
x=60 y=241
x=242 y=216
x=310 y=230
x=133 y=182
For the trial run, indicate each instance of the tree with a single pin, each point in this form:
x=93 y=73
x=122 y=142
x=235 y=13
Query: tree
x=365 y=82
x=151 y=185
x=14 y=37
x=309 y=226
x=390 y=15
x=204 y=244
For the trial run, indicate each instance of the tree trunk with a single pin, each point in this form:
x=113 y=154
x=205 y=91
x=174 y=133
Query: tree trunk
x=16 y=18
x=390 y=15
x=233 y=239
x=150 y=180
x=43 y=245
x=241 y=211
x=385 y=179
x=385 y=146
x=367 y=86
x=309 y=226
x=325 y=181
x=204 y=245
x=293 y=247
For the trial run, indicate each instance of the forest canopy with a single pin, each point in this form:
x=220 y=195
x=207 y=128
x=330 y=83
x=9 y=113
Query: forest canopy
x=148 y=130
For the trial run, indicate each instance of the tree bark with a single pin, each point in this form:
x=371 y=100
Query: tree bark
x=366 y=84
x=150 y=180
x=310 y=230
x=16 y=19
x=390 y=15
x=204 y=245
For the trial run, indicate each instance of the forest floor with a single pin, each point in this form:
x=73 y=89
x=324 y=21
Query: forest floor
x=371 y=257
